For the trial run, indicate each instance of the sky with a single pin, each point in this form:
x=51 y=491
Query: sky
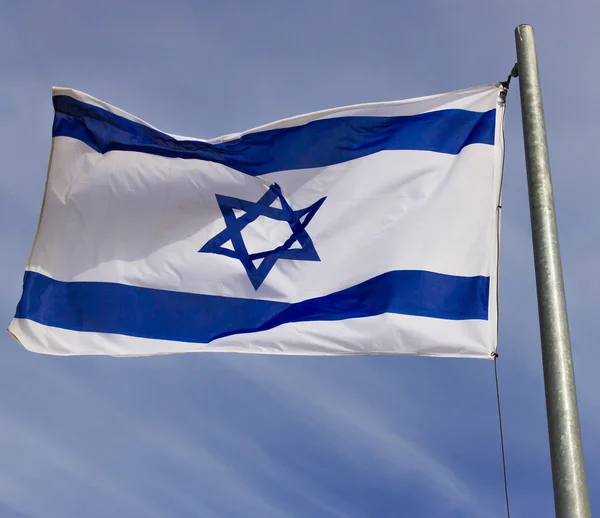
x=219 y=435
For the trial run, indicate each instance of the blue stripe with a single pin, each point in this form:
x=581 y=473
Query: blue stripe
x=150 y=313
x=316 y=144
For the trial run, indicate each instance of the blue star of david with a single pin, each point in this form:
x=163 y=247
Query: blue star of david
x=297 y=219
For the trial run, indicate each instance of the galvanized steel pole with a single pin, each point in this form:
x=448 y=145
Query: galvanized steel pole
x=571 y=498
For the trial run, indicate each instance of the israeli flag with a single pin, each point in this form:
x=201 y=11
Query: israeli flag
x=368 y=229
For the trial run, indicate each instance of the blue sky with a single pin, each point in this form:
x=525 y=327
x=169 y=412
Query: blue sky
x=210 y=435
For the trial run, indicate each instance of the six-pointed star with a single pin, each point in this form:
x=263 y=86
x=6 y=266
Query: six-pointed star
x=297 y=219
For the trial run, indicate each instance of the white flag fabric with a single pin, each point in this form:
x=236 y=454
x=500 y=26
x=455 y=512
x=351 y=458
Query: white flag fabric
x=368 y=229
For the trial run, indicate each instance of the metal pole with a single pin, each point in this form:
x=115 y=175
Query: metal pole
x=571 y=498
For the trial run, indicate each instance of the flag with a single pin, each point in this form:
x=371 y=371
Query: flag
x=366 y=229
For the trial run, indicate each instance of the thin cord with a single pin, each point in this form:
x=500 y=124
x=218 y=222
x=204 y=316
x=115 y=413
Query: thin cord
x=501 y=436
x=505 y=84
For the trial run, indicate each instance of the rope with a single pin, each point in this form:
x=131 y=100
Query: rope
x=506 y=85
x=501 y=436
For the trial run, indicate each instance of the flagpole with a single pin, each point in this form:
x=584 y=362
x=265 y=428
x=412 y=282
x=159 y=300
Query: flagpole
x=571 y=498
